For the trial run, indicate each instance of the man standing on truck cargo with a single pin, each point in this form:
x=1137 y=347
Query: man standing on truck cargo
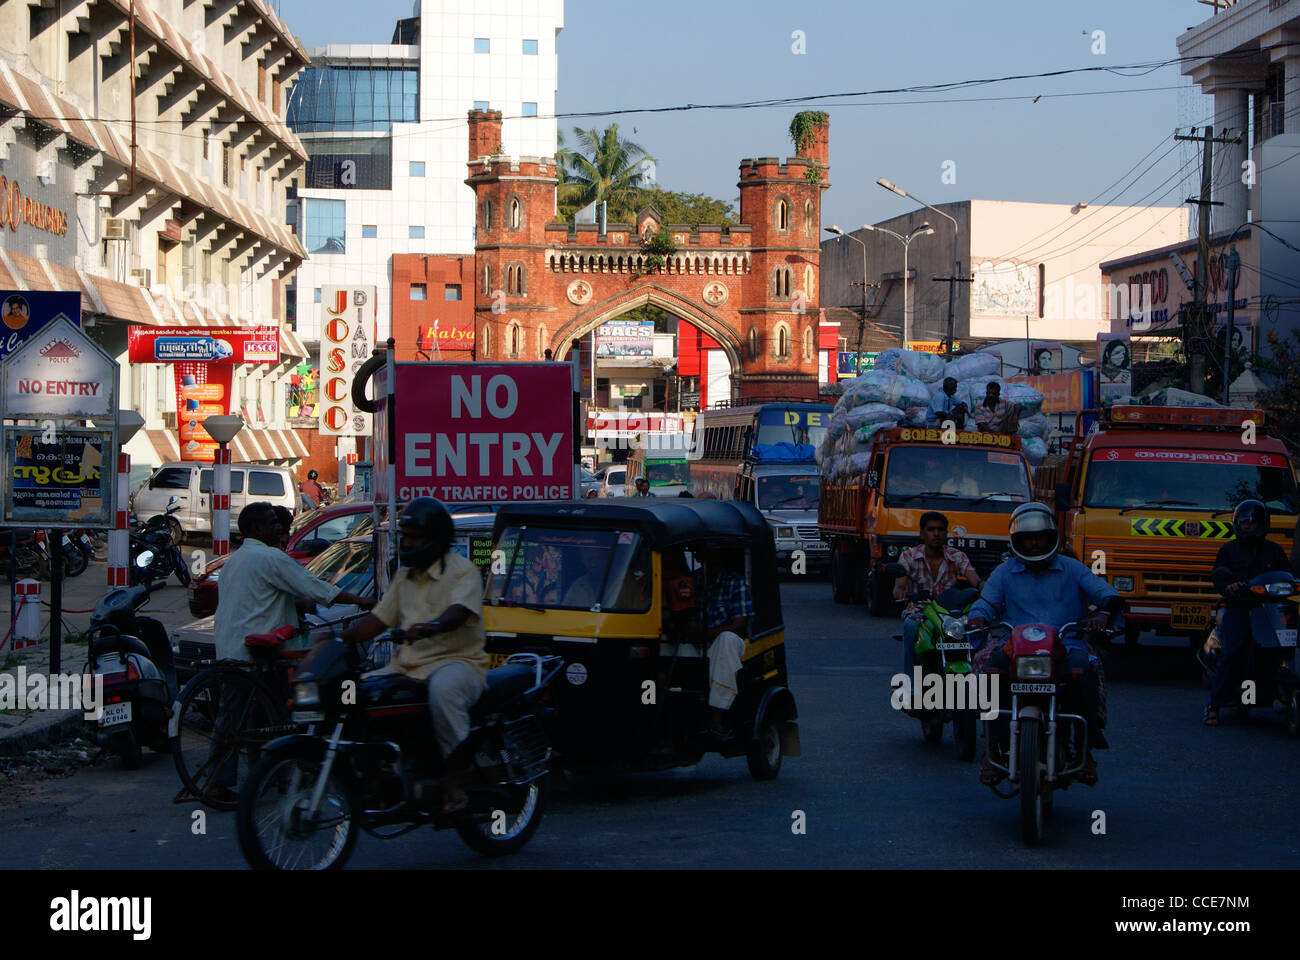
x=995 y=414
x=945 y=405
x=931 y=566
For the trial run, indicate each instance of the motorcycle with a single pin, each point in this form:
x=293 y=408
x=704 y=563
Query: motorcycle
x=134 y=656
x=941 y=650
x=369 y=761
x=1047 y=748
x=1268 y=662
x=155 y=538
x=26 y=553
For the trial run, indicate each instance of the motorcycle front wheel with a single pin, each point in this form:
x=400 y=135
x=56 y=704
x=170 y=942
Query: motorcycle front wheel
x=1031 y=787
x=276 y=827
x=75 y=561
x=503 y=832
x=182 y=571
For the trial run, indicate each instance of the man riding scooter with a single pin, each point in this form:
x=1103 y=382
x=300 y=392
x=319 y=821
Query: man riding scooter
x=1237 y=563
x=1037 y=585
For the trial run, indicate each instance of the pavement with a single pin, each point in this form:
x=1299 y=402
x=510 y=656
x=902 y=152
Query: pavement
x=24 y=730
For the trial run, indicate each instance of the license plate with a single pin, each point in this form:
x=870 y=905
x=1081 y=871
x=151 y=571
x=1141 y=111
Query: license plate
x=815 y=546
x=1033 y=688
x=496 y=659
x=1286 y=638
x=1193 y=616
x=952 y=646
x=308 y=716
x=115 y=713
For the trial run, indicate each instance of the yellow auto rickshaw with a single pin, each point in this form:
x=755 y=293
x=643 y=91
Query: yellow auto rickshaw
x=619 y=590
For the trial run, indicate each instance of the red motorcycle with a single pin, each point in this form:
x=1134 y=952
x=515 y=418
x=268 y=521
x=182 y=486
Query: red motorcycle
x=1047 y=748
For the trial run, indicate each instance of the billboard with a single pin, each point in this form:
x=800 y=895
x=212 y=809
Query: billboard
x=23 y=312
x=203 y=344
x=1114 y=365
x=470 y=432
x=347 y=338
x=58 y=479
x=625 y=338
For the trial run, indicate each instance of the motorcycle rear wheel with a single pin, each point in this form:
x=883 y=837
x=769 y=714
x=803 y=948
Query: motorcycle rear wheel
x=182 y=571
x=931 y=726
x=1031 y=788
x=274 y=830
x=1293 y=717
x=963 y=734
x=507 y=831
x=75 y=561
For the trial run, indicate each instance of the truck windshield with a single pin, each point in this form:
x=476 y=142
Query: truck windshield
x=1202 y=479
x=572 y=569
x=661 y=473
x=956 y=473
x=788 y=492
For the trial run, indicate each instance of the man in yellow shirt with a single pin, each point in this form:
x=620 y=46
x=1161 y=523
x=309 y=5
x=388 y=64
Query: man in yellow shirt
x=437 y=599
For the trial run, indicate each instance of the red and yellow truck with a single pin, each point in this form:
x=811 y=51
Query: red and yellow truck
x=870 y=517
x=1146 y=500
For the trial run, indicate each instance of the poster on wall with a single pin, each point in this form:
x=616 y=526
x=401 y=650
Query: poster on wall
x=202 y=391
x=347 y=339
x=1114 y=365
x=625 y=338
x=23 y=312
x=1046 y=358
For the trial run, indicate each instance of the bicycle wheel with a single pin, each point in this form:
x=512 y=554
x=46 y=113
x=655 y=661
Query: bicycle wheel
x=225 y=716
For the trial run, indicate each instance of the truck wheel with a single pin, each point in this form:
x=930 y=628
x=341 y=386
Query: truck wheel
x=880 y=603
x=841 y=578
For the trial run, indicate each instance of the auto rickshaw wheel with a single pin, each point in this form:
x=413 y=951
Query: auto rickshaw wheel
x=764 y=755
x=1293 y=717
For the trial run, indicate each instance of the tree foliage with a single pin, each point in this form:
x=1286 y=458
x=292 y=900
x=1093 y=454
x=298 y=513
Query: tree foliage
x=1282 y=399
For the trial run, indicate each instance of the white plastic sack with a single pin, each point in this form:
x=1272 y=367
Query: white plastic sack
x=869 y=430
x=916 y=416
x=1173 y=397
x=1029 y=400
x=895 y=389
x=855 y=465
x=888 y=359
x=871 y=413
x=973 y=365
x=1035 y=448
x=1035 y=426
x=974 y=390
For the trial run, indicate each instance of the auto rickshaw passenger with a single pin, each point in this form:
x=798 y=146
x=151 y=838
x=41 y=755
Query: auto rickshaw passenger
x=727 y=606
x=585 y=591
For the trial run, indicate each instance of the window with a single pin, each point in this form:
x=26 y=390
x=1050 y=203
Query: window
x=807 y=343
x=415 y=233
x=753 y=343
x=530 y=48
x=417 y=168
x=515 y=279
x=514 y=340
x=487 y=214
x=487 y=279
x=516 y=214
x=781 y=279
x=486 y=340
x=226 y=165
x=170 y=478
x=482 y=105
x=342 y=98
x=482 y=45
x=451 y=291
x=236 y=483
x=530 y=110
x=315 y=297
x=349 y=163
x=369 y=231
x=419 y=291
x=264 y=484
x=782 y=342
x=543 y=337
x=783 y=214
x=325 y=226
x=808 y=228
x=808 y=278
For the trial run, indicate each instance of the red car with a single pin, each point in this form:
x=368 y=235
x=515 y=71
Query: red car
x=312 y=531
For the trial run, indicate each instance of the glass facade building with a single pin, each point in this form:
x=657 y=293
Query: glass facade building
x=330 y=99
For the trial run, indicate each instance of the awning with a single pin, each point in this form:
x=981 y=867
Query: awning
x=249 y=446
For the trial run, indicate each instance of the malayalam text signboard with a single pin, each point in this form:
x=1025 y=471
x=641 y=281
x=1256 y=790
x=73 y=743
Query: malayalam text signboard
x=203 y=344
x=470 y=432
x=347 y=336
x=57 y=477
x=24 y=312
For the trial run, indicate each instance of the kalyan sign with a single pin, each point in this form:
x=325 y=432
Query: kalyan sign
x=482 y=431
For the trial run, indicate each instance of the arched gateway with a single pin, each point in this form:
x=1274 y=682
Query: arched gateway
x=752 y=287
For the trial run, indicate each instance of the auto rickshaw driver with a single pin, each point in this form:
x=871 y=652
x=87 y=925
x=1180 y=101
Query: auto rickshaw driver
x=728 y=606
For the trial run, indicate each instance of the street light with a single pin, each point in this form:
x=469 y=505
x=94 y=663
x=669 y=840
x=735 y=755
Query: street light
x=221 y=429
x=952 y=280
x=923 y=230
x=862 y=321
x=128 y=424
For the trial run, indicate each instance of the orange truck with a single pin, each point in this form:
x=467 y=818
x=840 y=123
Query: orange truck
x=868 y=518
x=1145 y=498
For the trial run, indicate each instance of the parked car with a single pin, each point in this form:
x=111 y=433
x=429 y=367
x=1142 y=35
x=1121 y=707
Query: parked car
x=613 y=480
x=590 y=484
x=191 y=483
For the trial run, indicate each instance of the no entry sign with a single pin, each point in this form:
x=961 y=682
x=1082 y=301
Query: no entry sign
x=469 y=432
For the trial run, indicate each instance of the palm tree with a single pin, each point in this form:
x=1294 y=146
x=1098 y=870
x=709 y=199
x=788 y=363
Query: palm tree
x=607 y=168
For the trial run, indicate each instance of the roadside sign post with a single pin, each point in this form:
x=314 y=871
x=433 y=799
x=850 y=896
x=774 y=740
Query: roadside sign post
x=57 y=472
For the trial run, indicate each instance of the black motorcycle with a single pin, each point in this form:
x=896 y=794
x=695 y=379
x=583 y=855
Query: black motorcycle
x=155 y=538
x=134 y=656
x=369 y=761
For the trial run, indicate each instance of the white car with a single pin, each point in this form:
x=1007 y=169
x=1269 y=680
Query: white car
x=613 y=480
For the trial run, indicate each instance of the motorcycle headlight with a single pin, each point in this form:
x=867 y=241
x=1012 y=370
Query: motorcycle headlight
x=891 y=550
x=1280 y=589
x=954 y=628
x=1037 y=667
x=144 y=559
x=306 y=694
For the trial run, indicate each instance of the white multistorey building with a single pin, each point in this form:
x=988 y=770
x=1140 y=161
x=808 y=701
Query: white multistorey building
x=175 y=219
x=385 y=128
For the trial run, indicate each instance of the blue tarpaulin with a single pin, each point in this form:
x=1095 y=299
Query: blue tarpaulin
x=784 y=453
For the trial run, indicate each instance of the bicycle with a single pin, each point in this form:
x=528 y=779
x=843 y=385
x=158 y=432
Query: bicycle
x=230 y=709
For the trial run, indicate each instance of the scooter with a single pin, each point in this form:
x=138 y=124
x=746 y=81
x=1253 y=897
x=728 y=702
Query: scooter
x=1268 y=662
x=134 y=656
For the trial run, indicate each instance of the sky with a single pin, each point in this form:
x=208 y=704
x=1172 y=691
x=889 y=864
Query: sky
x=1114 y=144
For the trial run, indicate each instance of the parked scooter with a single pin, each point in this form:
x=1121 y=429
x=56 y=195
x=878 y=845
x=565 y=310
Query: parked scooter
x=1268 y=661
x=942 y=649
x=134 y=656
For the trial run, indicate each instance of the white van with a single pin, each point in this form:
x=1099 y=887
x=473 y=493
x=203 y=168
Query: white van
x=191 y=483
x=613 y=480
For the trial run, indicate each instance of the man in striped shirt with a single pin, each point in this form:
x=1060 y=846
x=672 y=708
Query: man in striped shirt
x=933 y=566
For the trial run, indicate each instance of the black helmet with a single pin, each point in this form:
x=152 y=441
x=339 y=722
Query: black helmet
x=428 y=518
x=311 y=474
x=1250 y=521
x=1030 y=518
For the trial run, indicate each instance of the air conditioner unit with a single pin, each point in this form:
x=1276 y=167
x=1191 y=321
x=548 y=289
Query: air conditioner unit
x=114 y=228
x=142 y=276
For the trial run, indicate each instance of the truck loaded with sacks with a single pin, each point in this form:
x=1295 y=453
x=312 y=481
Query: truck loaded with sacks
x=885 y=462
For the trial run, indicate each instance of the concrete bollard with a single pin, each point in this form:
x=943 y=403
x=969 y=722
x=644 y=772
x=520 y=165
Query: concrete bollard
x=27 y=630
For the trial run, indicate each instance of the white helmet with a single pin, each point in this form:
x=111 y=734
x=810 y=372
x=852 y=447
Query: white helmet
x=1030 y=518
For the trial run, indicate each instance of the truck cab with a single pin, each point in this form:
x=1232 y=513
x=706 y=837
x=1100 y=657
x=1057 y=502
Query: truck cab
x=1146 y=499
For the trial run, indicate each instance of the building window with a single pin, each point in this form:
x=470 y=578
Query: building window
x=512 y=338
x=342 y=98
x=808 y=279
x=754 y=345
x=809 y=229
x=325 y=226
x=782 y=342
x=419 y=291
x=226 y=165
x=515 y=279
x=482 y=45
x=487 y=214
x=315 y=296
x=451 y=291
x=485 y=350
x=415 y=233
x=417 y=168
x=530 y=48
x=781 y=278
x=369 y=231
x=516 y=214
x=482 y=105
x=542 y=338
x=530 y=110
x=487 y=279
x=807 y=343
x=783 y=215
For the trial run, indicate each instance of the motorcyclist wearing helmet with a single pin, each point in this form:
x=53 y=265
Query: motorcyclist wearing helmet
x=312 y=490
x=436 y=598
x=1236 y=564
x=1038 y=585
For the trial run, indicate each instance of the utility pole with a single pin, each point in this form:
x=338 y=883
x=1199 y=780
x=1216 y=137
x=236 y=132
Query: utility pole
x=1196 y=316
x=1233 y=263
x=862 y=320
x=952 y=281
